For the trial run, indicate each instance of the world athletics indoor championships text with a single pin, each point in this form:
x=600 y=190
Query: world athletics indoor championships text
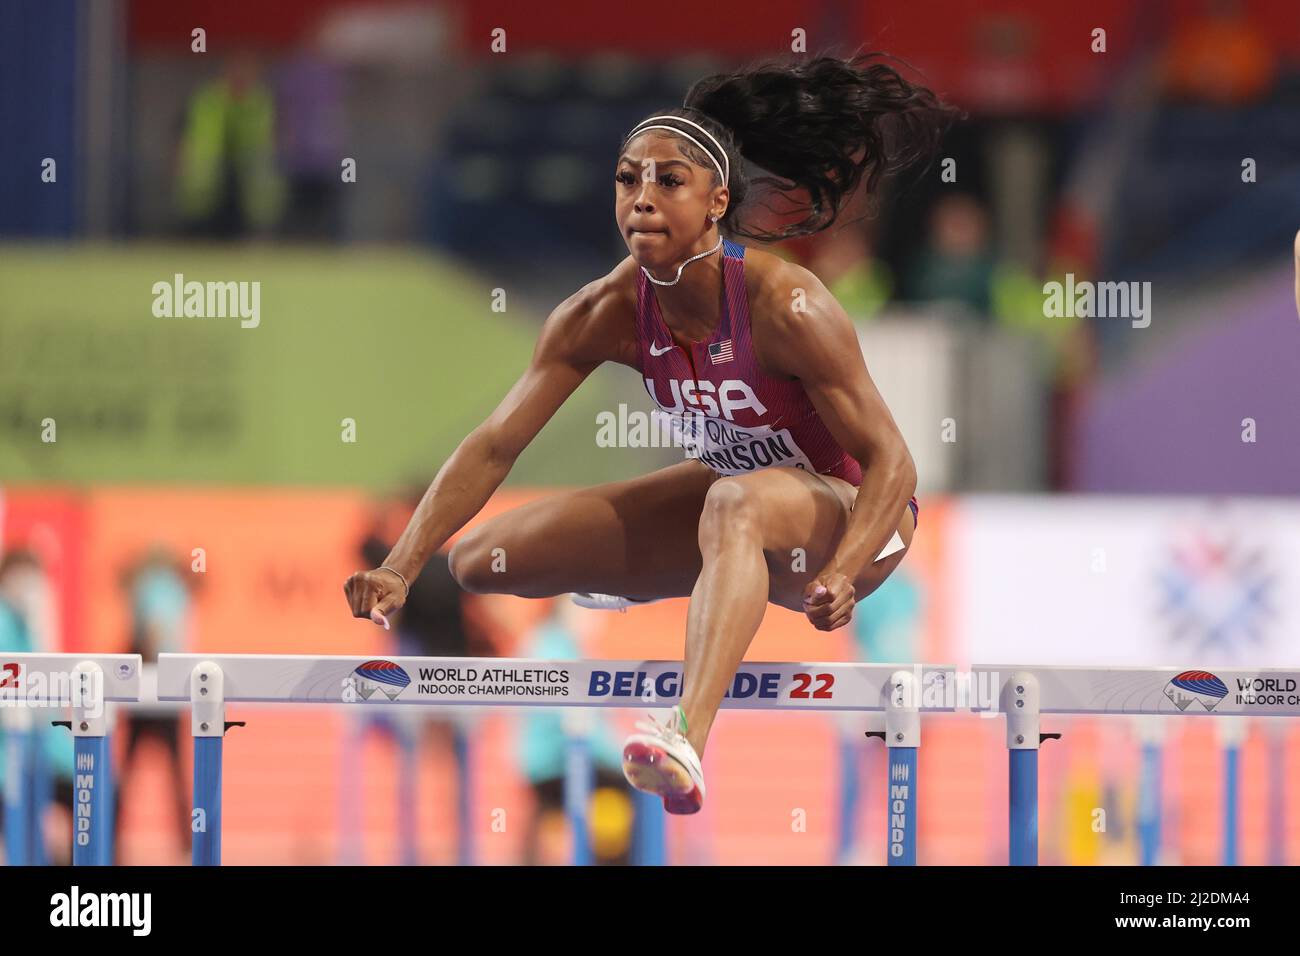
x=494 y=681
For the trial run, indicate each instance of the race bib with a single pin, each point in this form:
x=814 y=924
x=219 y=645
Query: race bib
x=729 y=450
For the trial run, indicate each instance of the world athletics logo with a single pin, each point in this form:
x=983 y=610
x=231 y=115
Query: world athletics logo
x=382 y=677
x=1191 y=686
x=1216 y=592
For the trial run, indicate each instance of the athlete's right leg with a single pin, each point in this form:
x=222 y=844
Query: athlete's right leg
x=637 y=538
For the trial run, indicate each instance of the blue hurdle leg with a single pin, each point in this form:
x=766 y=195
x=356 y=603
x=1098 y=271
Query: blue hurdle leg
x=1231 y=733
x=1149 y=805
x=92 y=824
x=578 y=773
x=1024 y=808
x=649 y=846
x=39 y=799
x=92 y=789
x=850 y=785
x=900 y=812
x=1232 y=788
x=464 y=801
x=1019 y=701
x=408 y=744
x=902 y=737
x=110 y=796
x=20 y=744
x=350 y=799
x=205 y=825
x=208 y=727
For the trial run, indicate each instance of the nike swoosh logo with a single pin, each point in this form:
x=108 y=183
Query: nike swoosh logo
x=655 y=351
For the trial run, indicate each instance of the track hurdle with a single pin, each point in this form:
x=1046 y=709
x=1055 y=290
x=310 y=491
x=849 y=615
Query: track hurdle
x=85 y=682
x=1019 y=694
x=1150 y=732
x=26 y=776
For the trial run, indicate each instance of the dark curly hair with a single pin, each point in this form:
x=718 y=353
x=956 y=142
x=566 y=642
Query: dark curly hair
x=820 y=127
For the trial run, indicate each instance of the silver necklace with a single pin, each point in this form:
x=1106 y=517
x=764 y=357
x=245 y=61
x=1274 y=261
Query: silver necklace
x=698 y=255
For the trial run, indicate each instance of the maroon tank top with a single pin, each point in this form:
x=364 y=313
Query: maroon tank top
x=728 y=412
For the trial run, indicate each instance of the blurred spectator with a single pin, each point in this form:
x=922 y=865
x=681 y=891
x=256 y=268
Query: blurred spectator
x=227 y=184
x=886 y=623
x=23 y=590
x=957 y=263
x=437 y=620
x=1217 y=55
x=542 y=747
x=843 y=260
x=158 y=593
x=309 y=110
x=434 y=621
x=1070 y=341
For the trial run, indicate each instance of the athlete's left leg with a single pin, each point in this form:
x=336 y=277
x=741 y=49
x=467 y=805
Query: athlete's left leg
x=749 y=530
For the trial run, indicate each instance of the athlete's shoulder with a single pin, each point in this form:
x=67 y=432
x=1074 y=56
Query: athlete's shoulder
x=785 y=298
x=772 y=281
x=792 y=313
x=597 y=323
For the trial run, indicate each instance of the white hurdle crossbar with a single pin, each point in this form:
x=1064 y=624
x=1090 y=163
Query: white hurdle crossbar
x=1020 y=693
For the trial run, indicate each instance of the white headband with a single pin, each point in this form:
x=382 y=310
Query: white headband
x=642 y=127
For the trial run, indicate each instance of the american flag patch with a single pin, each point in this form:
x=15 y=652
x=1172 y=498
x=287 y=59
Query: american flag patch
x=720 y=352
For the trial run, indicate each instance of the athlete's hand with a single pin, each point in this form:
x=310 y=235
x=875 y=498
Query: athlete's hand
x=375 y=594
x=828 y=601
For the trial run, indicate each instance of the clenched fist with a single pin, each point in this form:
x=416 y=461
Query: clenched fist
x=828 y=601
x=375 y=594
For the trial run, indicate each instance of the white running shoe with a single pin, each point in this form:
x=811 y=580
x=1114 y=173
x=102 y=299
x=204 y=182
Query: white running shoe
x=660 y=760
x=606 y=602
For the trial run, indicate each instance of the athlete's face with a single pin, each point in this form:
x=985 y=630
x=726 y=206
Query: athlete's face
x=663 y=201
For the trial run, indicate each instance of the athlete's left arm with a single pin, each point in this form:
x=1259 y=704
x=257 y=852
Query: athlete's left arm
x=810 y=336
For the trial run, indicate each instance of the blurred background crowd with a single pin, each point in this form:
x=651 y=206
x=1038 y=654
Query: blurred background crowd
x=416 y=184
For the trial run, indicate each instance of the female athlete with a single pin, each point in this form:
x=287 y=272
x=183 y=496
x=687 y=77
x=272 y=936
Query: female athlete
x=798 y=489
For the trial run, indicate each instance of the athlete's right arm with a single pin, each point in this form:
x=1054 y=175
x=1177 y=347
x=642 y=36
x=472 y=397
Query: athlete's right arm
x=583 y=331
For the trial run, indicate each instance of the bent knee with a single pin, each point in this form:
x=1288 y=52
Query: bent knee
x=731 y=500
x=473 y=562
x=730 y=515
